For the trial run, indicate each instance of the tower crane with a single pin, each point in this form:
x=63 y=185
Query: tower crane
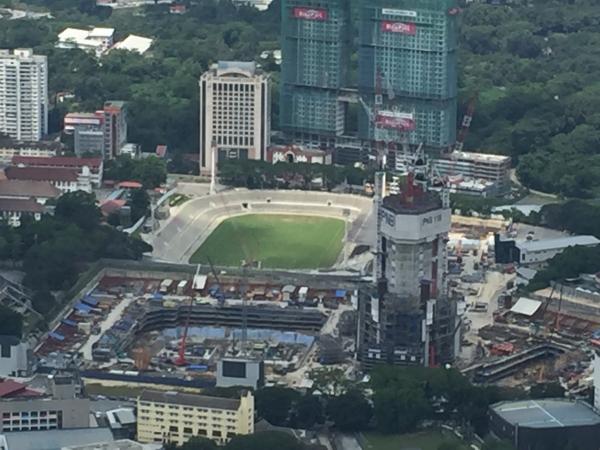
x=466 y=123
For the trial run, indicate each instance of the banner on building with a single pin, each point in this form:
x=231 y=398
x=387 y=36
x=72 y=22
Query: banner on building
x=310 y=13
x=398 y=12
x=399 y=27
x=395 y=120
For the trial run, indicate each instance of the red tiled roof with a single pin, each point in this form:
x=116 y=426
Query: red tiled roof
x=57 y=161
x=19 y=205
x=10 y=387
x=41 y=173
x=28 y=188
x=130 y=185
x=111 y=206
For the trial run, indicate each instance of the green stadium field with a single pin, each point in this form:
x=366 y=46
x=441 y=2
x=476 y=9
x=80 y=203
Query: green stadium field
x=278 y=241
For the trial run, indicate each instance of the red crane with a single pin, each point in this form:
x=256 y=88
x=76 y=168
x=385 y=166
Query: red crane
x=181 y=361
x=466 y=123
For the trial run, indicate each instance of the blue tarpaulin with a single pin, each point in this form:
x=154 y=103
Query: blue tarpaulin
x=157 y=296
x=82 y=307
x=88 y=299
x=57 y=336
x=69 y=322
x=340 y=293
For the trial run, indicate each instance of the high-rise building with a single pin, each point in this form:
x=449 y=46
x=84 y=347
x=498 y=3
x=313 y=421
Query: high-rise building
x=23 y=94
x=235 y=113
x=408 y=317
x=316 y=42
x=408 y=71
x=115 y=128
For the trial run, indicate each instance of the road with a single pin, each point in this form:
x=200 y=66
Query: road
x=109 y=321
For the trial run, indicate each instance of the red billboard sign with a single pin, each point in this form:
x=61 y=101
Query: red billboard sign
x=399 y=27
x=399 y=122
x=310 y=13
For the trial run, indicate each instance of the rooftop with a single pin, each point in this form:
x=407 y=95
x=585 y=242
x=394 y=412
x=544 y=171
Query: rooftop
x=54 y=439
x=421 y=204
x=549 y=413
x=557 y=243
x=19 y=205
x=12 y=389
x=28 y=188
x=244 y=67
x=134 y=43
x=201 y=401
x=42 y=145
x=41 y=173
x=480 y=157
x=526 y=306
x=57 y=161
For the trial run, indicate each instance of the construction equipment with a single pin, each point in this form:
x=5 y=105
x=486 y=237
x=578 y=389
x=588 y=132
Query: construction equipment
x=466 y=123
x=216 y=292
x=181 y=361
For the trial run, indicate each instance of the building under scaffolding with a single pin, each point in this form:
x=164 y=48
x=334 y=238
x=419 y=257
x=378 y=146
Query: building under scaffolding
x=407 y=317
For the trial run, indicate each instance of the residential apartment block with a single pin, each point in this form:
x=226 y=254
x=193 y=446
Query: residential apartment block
x=408 y=71
x=115 y=128
x=88 y=132
x=23 y=94
x=316 y=46
x=235 y=113
x=176 y=417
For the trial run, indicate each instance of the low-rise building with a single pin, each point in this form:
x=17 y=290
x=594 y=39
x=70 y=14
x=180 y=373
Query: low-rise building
x=12 y=211
x=88 y=132
x=58 y=439
x=95 y=165
x=176 y=417
x=298 y=154
x=64 y=179
x=536 y=251
x=477 y=166
x=40 y=191
x=15 y=360
x=10 y=148
x=133 y=43
x=240 y=372
x=96 y=40
x=548 y=423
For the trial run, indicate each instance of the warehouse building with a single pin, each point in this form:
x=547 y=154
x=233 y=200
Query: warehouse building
x=549 y=424
x=537 y=251
x=176 y=417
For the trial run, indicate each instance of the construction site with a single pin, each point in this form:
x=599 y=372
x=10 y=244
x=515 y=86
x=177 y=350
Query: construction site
x=173 y=326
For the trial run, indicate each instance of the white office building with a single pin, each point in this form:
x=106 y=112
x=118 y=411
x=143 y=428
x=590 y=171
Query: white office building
x=234 y=113
x=23 y=94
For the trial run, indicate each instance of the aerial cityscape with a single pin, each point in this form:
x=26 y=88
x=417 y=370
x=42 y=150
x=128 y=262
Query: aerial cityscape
x=299 y=225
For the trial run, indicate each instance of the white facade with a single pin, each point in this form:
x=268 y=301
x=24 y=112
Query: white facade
x=535 y=252
x=13 y=358
x=234 y=113
x=597 y=381
x=96 y=41
x=476 y=166
x=23 y=94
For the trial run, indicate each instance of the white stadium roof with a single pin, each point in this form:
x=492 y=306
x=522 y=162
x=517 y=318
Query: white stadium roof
x=134 y=43
x=558 y=243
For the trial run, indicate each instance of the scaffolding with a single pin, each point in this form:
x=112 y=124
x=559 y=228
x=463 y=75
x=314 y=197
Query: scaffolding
x=316 y=40
x=409 y=48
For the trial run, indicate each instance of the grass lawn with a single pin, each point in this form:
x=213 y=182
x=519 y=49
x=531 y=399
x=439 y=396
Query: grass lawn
x=278 y=241
x=427 y=440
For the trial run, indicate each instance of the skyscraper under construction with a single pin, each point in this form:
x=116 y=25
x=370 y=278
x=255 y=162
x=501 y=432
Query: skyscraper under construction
x=408 y=316
x=408 y=71
x=316 y=54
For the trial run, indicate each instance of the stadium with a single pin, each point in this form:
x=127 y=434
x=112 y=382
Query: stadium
x=303 y=229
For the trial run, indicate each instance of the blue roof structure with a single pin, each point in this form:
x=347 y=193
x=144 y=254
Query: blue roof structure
x=88 y=299
x=339 y=293
x=69 y=322
x=57 y=336
x=82 y=307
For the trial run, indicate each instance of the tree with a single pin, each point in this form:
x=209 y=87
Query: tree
x=151 y=172
x=79 y=208
x=43 y=301
x=350 y=411
x=547 y=390
x=11 y=322
x=330 y=380
x=449 y=445
x=195 y=443
x=265 y=440
x=140 y=204
x=308 y=411
x=274 y=404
